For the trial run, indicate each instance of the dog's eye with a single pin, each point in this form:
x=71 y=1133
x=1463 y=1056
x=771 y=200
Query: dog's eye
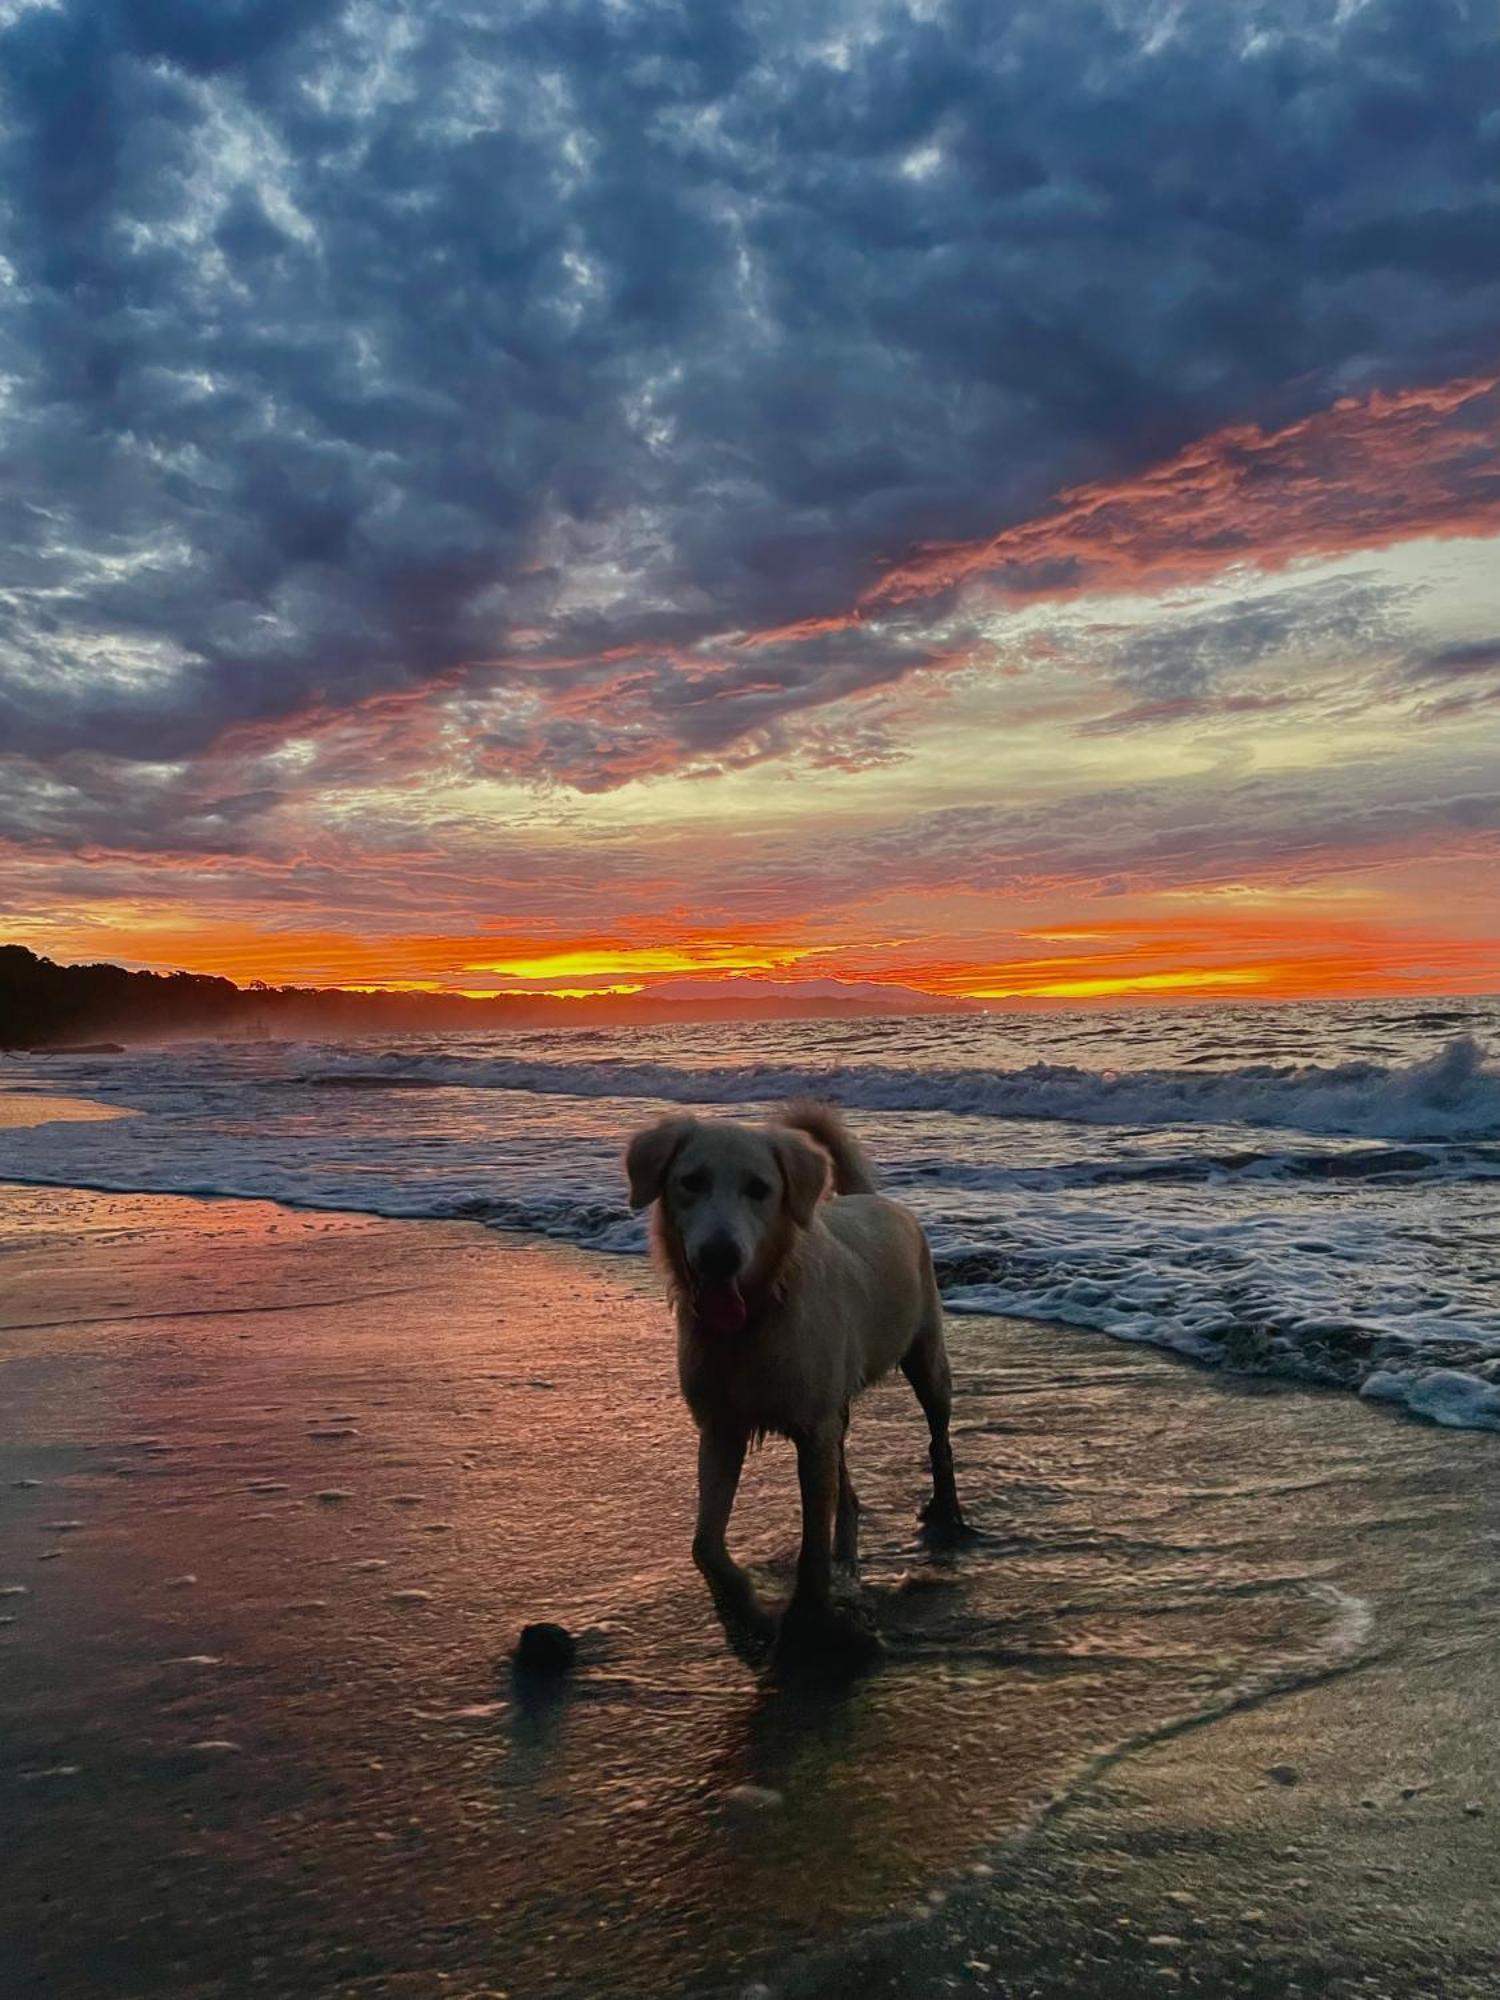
x=757 y=1189
x=694 y=1184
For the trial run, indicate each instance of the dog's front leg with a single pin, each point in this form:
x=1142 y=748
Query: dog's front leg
x=813 y=1629
x=818 y=1476
x=721 y=1456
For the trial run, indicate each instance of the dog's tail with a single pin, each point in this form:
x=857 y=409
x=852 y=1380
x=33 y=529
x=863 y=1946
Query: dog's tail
x=852 y=1172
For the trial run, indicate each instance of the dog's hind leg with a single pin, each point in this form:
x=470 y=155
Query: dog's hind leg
x=925 y=1366
x=846 y=1519
x=721 y=1457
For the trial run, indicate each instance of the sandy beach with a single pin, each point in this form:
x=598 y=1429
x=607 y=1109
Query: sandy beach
x=1212 y=1708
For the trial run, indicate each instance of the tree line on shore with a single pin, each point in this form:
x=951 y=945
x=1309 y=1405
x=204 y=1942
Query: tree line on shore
x=44 y=1005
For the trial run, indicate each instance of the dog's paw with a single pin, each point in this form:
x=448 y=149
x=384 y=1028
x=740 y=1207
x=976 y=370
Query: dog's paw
x=946 y=1528
x=739 y=1609
x=750 y=1619
x=826 y=1641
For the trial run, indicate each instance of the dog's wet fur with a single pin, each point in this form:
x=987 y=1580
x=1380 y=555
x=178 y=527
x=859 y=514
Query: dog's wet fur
x=796 y=1284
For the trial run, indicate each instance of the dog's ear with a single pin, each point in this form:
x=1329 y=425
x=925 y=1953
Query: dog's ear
x=804 y=1173
x=650 y=1154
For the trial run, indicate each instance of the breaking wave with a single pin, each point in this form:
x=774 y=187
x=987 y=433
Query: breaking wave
x=1453 y=1095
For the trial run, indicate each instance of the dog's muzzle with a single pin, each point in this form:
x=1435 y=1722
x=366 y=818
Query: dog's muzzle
x=718 y=1303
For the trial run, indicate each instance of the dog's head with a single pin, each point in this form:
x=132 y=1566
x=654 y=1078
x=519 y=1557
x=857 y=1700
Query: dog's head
x=731 y=1199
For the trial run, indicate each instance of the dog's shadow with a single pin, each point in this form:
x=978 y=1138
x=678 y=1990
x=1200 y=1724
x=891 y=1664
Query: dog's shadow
x=878 y=1618
x=813 y=1709
x=749 y=1632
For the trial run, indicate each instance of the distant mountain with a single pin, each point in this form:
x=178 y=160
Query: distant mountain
x=43 y=1005
x=853 y=992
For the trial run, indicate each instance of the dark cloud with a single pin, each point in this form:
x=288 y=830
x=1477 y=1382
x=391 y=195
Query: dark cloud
x=88 y=802
x=1480 y=656
x=1292 y=647
x=343 y=344
x=1452 y=681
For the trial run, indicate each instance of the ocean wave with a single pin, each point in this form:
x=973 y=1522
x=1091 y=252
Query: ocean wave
x=1454 y=1095
x=1299 y=1298
x=1328 y=1223
x=1391 y=1165
x=1284 y=1308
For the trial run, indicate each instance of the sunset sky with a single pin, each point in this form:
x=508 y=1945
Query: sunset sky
x=996 y=500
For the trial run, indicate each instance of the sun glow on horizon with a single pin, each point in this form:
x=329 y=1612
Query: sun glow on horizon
x=1164 y=952
x=557 y=992
x=707 y=957
x=1104 y=986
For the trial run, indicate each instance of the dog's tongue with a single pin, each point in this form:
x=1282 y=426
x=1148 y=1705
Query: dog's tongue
x=721 y=1310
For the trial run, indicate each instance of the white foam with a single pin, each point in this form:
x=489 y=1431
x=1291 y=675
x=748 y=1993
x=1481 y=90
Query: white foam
x=1442 y=1395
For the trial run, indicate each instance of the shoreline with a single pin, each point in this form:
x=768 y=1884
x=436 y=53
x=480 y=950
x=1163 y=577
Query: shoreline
x=379 y=1447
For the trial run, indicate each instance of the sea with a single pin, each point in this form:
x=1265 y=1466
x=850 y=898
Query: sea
x=1308 y=1191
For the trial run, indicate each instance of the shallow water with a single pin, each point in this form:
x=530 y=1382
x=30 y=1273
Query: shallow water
x=299 y=1480
x=1308 y=1191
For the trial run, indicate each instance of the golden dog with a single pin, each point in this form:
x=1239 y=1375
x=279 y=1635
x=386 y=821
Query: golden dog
x=791 y=1297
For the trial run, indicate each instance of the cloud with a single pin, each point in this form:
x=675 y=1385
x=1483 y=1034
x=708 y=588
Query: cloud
x=1365 y=473
x=1145 y=838
x=1154 y=880
x=347 y=345
x=428 y=432
x=1443 y=663
x=779 y=876
x=1451 y=681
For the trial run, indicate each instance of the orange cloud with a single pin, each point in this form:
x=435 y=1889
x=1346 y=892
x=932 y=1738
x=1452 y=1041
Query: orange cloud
x=1370 y=471
x=1279 y=955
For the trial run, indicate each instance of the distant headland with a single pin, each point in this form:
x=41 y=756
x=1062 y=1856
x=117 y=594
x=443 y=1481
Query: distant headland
x=48 y=1006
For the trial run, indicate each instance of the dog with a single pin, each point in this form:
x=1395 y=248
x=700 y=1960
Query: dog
x=796 y=1285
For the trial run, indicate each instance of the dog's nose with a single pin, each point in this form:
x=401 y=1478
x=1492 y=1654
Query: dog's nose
x=719 y=1260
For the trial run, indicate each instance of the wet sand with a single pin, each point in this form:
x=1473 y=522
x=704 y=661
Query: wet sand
x=1212 y=1708
x=36 y=1107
